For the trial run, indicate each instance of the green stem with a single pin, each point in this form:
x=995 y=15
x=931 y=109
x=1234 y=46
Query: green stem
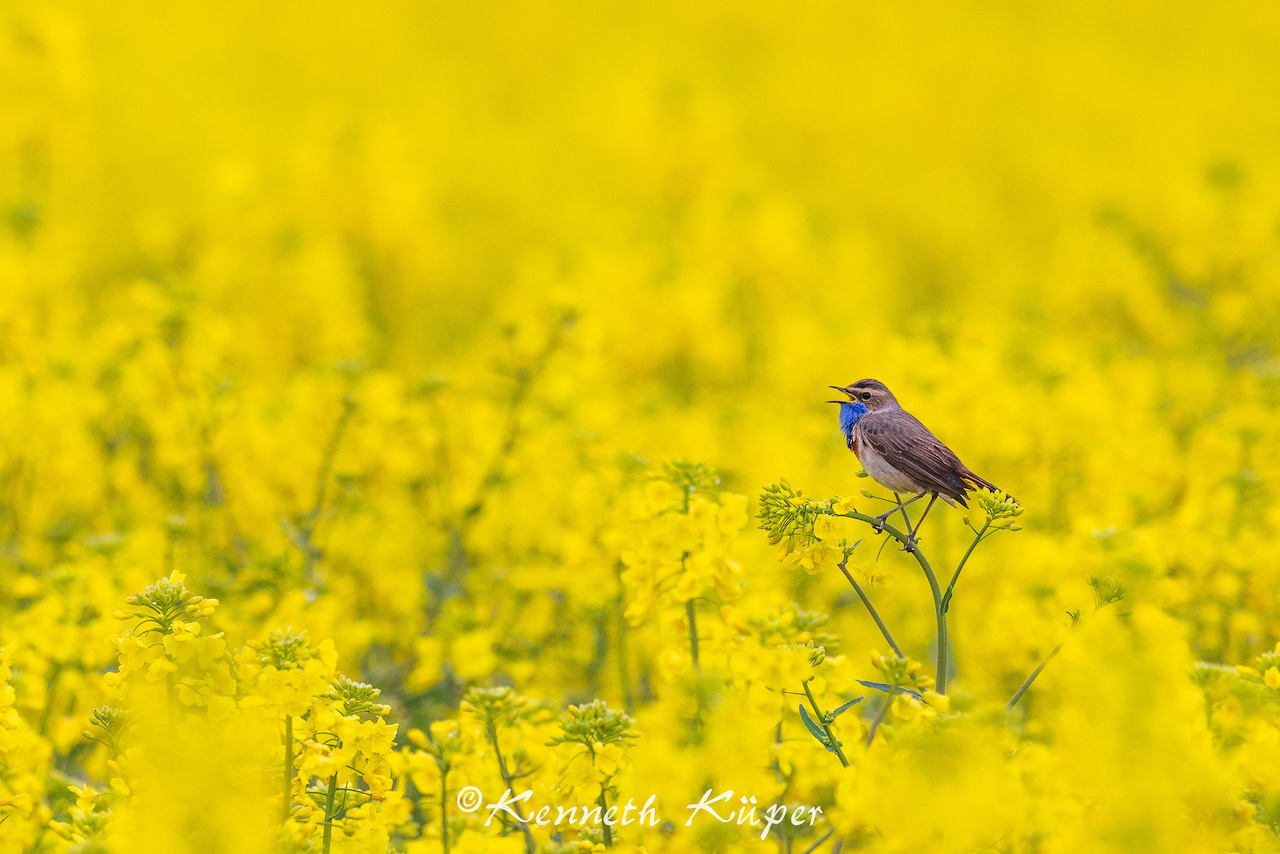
x=172 y=693
x=624 y=673
x=1032 y=678
x=525 y=380
x=51 y=687
x=822 y=839
x=312 y=519
x=826 y=727
x=941 y=614
x=529 y=845
x=288 y=767
x=604 y=808
x=878 y=719
x=946 y=597
x=328 y=812
x=444 y=808
x=692 y=612
x=884 y=630
x=326 y=462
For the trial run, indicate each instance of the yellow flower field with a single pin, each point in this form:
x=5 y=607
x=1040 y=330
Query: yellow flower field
x=413 y=431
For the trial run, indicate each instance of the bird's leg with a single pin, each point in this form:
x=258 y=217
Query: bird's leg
x=911 y=537
x=883 y=517
x=903 y=508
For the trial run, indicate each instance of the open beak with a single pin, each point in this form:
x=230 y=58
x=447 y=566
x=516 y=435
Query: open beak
x=839 y=389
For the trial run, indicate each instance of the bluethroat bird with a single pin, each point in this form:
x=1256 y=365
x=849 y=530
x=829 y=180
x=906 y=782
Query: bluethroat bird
x=900 y=453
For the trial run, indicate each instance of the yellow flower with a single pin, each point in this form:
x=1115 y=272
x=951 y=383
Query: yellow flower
x=22 y=804
x=877 y=575
x=831 y=527
x=687 y=587
x=583 y=778
x=160 y=668
x=814 y=557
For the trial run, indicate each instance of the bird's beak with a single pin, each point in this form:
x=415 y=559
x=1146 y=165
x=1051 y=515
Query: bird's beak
x=838 y=401
x=839 y=389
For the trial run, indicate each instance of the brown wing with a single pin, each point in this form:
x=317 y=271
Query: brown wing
x=908 y=446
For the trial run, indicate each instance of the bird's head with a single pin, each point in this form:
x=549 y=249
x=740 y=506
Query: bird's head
x=872 y=394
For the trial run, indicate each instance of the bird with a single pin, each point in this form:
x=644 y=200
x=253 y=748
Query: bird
x=901 y=454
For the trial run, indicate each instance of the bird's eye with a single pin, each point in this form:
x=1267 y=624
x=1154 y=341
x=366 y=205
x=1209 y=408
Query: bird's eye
x=866 y=395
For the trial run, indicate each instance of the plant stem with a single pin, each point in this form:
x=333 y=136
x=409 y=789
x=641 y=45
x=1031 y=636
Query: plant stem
x=692 y=613
x=1032 y=678
x=529 y=845
x=171 y=691
x=328 y=812
x=525 y=380
x=946 y=597
x=933 y=587
x=288 y=767
x=326 y=462
x=50 y=690
x=822 y=839
x=878 y=719
x=624 y=673
x=312 y=520
x=865 y=601
x=444 y=809
x=604 y=808
x=826 y=727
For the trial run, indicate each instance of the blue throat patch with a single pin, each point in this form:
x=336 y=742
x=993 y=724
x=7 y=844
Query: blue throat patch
x=849 y=414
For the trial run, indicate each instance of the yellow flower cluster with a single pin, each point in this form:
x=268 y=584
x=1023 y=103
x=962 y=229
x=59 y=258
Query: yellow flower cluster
x=337 y=747
x=674 y=548
x=26 y=760
x=164 y=645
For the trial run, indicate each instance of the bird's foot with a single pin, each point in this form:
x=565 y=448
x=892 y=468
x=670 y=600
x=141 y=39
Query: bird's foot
x=909 y=545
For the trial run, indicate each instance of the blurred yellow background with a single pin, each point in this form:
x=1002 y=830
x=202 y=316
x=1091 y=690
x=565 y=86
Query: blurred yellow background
x=371 y=318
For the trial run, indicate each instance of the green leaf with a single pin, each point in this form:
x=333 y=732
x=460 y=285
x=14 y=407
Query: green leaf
x=891 y=689
x=846 y=707
x=815 y=730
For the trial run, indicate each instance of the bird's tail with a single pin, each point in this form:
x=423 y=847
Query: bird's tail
x=975 y=481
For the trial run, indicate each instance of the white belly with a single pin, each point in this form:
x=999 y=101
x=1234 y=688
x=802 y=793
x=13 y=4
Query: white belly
x=883 y=473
